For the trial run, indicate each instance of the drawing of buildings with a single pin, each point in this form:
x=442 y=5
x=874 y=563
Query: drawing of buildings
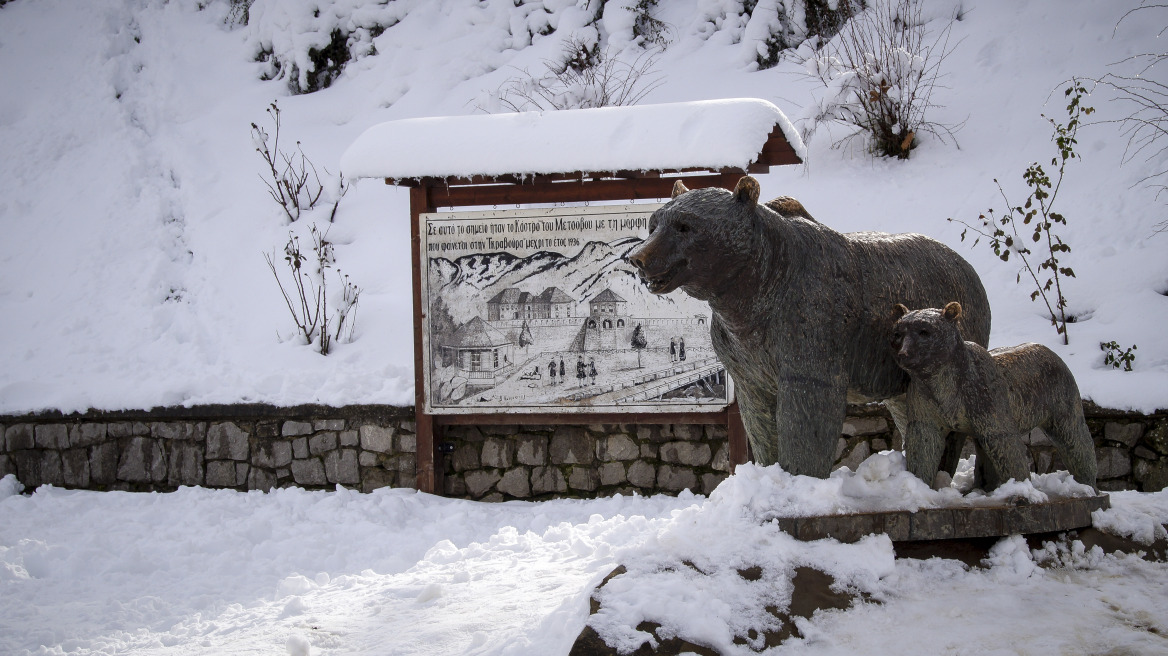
x=511 y=304
x=482 y=354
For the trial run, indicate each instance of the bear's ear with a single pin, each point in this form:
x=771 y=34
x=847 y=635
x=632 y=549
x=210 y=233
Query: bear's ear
x=898 y=311
x=679 y=188
x=952 y=311
x=747 y=191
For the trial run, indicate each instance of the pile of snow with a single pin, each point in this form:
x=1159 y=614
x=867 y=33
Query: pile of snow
x=708 y=134
x=395 y=571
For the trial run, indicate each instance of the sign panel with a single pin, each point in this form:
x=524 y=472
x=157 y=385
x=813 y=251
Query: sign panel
x=536 y=311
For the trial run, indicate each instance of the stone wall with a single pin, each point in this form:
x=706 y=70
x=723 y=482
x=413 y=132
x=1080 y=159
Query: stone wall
x=245 y=447
x=257 y=447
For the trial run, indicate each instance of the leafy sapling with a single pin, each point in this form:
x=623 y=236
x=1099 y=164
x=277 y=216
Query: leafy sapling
x=1040 y=219
x=1116 y=356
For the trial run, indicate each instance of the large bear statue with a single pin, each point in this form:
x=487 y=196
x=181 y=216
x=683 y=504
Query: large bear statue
x=801 y=312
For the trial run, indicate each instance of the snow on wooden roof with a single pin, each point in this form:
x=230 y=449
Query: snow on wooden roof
x=735 y=134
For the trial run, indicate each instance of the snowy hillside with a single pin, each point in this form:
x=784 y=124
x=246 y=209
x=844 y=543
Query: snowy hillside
x=134 y=217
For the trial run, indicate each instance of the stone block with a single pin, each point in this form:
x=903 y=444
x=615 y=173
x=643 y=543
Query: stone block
x=1126 y=434
x=306 y=472
x=87 y=434
x=860 y=426
x=1114 y=485
x=226 y=441
x=857 y=455
x=1113 y=462
x=406 y=443
x=1144 y=452
x=465 y=457
x=454 y=486
x=407 y=464
x=585 y=479
x=295 y=428
x=408 y=426
x=1153 y=476
x=261 y=479
x=267 y=429
x=103 y=463
x=498 y=452
x=322 y=443
x=178 y=430
x=694 y=454
x=479 y=482
x=328 y=424
x=1157 y=438
x=75 y=467
x=1037 y=437
x=375 y=478
x=571 y=445
x=688 y=432
x=548 y=480
x=349 y=438
x=531 y=450
x=841 y=445
x=675 y=479
x=127 y=429
x=271 y=454
x=377 y=438
x=711 y=481
x=7 y=466
x=52 y=436
x=341 y=467
x=642 y=474
x=612 y=473
x=649 y=450
x=221 y=473
x=185 y=466
x=515 y=483
x=300 y=448
x=49 y=468
x=721 y=460
x=18 y=437
x=367 y=459
x=649 y=433
x=142 y=460
x=616 y=447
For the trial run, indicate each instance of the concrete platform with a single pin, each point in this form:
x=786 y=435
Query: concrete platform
x=1062 y=514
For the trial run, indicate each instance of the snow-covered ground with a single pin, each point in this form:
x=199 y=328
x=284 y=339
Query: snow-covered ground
x=135 y=220
x=398 y=572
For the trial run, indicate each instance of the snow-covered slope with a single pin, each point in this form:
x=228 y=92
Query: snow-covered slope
x=133 y=217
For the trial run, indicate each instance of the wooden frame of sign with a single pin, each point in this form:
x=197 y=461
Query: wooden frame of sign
x=429 y=194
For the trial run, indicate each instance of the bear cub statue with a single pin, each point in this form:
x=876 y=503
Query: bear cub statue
x=995 y=397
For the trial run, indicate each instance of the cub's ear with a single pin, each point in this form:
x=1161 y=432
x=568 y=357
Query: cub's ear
x=952 y=311
x=898 y=311
x=679 y=188
x=747 y=191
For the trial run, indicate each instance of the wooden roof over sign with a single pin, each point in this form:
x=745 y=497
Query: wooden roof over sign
x=725 y=137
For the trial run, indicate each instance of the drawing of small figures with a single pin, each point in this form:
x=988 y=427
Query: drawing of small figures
x=552 y=372
x=562 y=379
x=581 y=372
x=681 y=349
x=592 y=369
x=672 y=349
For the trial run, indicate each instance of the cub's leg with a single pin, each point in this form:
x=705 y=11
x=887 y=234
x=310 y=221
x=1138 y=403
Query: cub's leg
x=1073 y=440
x=1005 y=458
x=809 y=412
x=924 y=444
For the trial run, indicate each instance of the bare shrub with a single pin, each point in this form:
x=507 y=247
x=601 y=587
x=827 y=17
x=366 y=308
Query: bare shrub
x=585 y=76
x=308 y=299
x=880 y=74
x=293 y=181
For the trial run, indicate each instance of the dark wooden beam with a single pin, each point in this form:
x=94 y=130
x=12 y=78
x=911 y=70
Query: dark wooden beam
x=572 y=192
x=717 y=417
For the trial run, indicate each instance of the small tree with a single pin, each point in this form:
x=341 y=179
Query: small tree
x=1039 y=214
x=639 y=343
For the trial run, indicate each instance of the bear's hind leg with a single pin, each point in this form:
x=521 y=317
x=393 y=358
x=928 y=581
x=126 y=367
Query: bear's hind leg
x=1073 y=440
x=809 y=413
x=1004 y=458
